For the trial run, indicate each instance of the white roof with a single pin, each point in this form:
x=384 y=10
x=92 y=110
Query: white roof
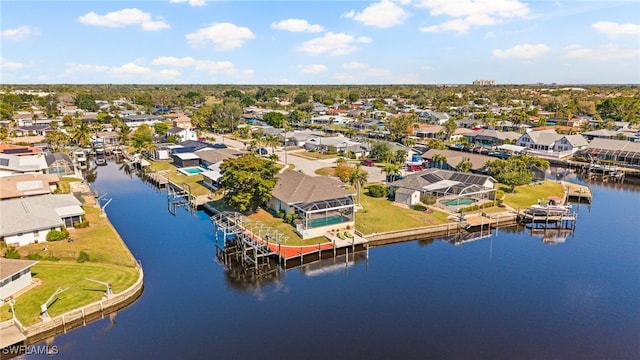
x=214 y=175
x=187 y=156
x=509 y=147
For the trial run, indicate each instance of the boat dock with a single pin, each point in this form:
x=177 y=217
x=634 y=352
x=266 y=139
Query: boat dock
x=577 y=193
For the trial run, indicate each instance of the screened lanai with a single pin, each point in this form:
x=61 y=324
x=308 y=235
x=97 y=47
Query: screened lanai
x=325 y=212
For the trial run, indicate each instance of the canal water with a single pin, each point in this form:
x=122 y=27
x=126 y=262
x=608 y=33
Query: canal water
x=506 y=296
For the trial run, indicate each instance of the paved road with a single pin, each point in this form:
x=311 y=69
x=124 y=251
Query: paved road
x=306 y=165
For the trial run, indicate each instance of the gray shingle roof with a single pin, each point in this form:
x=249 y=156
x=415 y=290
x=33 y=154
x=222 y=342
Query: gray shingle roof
x=36 y=213
x=295 y=187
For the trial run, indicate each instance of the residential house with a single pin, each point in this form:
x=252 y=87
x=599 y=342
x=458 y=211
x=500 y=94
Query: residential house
x=183 y=122
x=211 y=159
x=60 y=164
x=19 y=186
x=548 y=143
x=22 y=164
x=454 y=158
x=109 y=139
x=441 y=183
x=432 y=117
x=33 y=130
x=134 y=121
x=187 y=159
x=29 y=220
x=318 y=203
x=12 y=149
x=184 y=134
x=430 y=132
x=622 y=152
x=15 y=275
x=491 y=138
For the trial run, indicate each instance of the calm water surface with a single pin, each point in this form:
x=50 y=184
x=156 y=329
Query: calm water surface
x=507 y=296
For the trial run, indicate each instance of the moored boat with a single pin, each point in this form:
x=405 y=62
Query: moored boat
x=549 y=210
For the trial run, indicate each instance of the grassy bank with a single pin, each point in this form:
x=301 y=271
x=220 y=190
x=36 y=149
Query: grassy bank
x=380 y=215
x=81 y=292
x=194 y=181
x=526 y=195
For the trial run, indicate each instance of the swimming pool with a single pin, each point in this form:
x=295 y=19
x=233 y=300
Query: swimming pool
x=458 y=202
x=329 y=220
x=193 y=170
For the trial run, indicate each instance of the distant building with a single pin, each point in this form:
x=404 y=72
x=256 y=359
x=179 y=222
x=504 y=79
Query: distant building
x=484 y=82
x=15 y=275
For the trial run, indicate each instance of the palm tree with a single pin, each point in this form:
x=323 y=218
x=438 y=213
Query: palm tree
x=358 y=178
x=272 y=141
x=81 y=133
x=392 y=171
x=439 y=159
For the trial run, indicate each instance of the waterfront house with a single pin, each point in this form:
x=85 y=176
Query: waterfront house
x=318 y=203
x=18 y=186
x=622 y=152
x=24 y=164
x=187 y=159
x=12 y=149
x=211 y=159
x=15 y=275
x=60 y=164
x=109 y=139
x=442 y=183
x=548 y=143
x=491 y=138
x=29 y=220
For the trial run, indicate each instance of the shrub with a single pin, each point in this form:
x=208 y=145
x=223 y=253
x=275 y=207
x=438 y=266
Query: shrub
x=51 y=258
x=378 y=191
x=499 y=194
x=419 y=207
x=280 y=214
x=57 y=235
x=288 y=218
x=428 y=199
x=34 y=256
x=12 y=253
x=81 y=224
x=83 y=257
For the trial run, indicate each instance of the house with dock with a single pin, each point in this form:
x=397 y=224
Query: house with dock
x=20 y=186
x=318 y=204
x=548 y=143
x=621 y=152
x=448 y=186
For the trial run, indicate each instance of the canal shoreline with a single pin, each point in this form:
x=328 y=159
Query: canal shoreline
x=61 y=324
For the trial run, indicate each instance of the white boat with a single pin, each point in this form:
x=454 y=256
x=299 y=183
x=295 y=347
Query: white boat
x=550 y=210
x=80 y=159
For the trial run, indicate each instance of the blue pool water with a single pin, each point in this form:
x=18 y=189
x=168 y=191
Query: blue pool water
x=456 y=202
x=191 y=170
x=330 y=220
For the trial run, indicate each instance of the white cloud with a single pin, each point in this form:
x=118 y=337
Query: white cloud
x=611 y=28
x=333 y=44
x=313 y=68
x=606 y=52
x=130 y=70
x=524 y=51
x=224 y=36
x=212 y=67
x=73 y=67
x=10 y=65
x=468 y=13
x=354 y=65
x=20 y=34
x=124 y=17
x=193 y=3
x=296 y=25
x=384 y=14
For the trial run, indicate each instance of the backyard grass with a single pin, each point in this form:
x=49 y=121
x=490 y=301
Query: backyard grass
x=194 y=181
x=526 y=195
x=99 y=240
x=80 y=292
x=63 y=185
x=380 y=215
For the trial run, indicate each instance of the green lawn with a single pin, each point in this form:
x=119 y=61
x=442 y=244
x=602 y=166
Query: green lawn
x=81 y=292
x=526 y=195
x=194 y=181
x=380 y=215
x=99 y=240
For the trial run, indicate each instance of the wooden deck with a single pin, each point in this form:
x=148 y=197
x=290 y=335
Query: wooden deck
x=578 y=193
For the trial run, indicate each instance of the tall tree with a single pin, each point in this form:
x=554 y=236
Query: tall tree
x=392 y=171
x=142 y=137
x=247 y=181
x=358 y=178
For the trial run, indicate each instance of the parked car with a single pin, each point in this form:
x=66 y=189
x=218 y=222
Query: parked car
x=415 y=167
x=367 y=162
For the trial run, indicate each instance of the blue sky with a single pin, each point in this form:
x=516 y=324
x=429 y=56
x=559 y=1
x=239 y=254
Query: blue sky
x=313 y=42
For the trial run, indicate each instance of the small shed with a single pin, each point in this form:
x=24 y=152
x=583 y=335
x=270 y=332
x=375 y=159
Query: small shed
x=407 y=196
x=15 y=275
x=185 y=159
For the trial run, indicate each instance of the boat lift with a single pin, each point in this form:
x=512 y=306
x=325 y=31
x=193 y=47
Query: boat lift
x=108 y=292
x=45 y=307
